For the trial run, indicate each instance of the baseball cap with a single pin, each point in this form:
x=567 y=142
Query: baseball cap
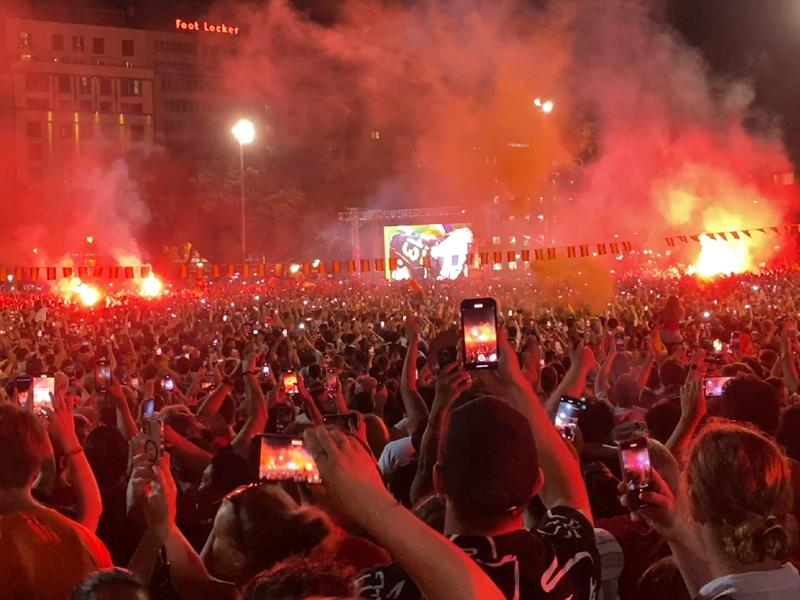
x=488 y=459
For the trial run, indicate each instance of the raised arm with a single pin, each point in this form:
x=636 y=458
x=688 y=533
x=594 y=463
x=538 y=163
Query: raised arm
x=440 y=570
x=62 y=427
x=256 y=415
x=414 y=405
x=563 y=482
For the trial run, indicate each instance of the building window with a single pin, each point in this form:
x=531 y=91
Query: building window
x=34 y=129
x=105 y=107
x=84 y=86
x=25 y=40
x=64 y=84
x=375 y=135
x=37 y=82
x=130 y=87
x=58 y=42
x=86 y=106
x=105 y=86
x=37 y=103
x=98 y=46
x=77 y=43
x=128 y=48
x=35 y=151
x=131 y=108
x=137 y=133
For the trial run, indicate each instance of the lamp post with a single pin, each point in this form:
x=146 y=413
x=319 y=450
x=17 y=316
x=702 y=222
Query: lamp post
x=245 y=132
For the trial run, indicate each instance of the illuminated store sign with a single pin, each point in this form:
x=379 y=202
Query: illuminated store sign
x=182 y=25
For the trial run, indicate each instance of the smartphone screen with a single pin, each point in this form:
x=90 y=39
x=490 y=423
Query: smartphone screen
x=282 y=458
x=479 y=330
x=168 y=384
x=102 y=374
x=717 y=345
x=148 y=408
x=42 y=388
x=134 y=382
x=714 y=386
x=636 y=470
x=265 y=369
x=290 y=382
x=567 y=416
x=343 y=421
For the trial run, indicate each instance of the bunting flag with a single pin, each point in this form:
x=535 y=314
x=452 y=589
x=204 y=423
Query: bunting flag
x=723 y=236
x=584 y=250
x=34 y=274
x=364 y=265
x=128 y=272
x=261 y=270
x=322 y=268
x=83 y=272
x=470 y=259
x=393 y=264
x=601 y=250
x=735 y=235
x=775 y=229
x=525 y=255
x=231 y=270
x=184 y=271
x=19 y=273
x=426 y=261
x=747 y=232
x=245 y=270
x=279 y=269
x=4 y=273
x=51 y=274
x=67 y=271
x=306 y=268
x=710 y=236
x=538 y=254
x=551 y=254
x=98 y=272
x=484 y=259
x=683 y=238
x=145 y=271
x=511 y=256
x=670 y=242
x=351 y=266
x=614 y=246
x=696 y=238
x=380 y=264
x=570 y=251
x=626 y=246
x=216 y=271
x=336 y=267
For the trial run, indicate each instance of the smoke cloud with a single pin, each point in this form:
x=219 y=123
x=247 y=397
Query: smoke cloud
x=448 y=89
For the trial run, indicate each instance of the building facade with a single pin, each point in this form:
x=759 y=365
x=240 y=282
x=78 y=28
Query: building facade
x=69 y=88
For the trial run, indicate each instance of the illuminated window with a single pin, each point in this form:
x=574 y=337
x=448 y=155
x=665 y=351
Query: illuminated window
x=64 y=84
x=105 y=86
x=105 y=107
x=58 y=42
x=25 y=40
x=375 y=135
x=98 y=46
x=130 y=87
x=496 y=240
x=86 y=106
x=84 y=86
x=128 y=48
x=77 y=43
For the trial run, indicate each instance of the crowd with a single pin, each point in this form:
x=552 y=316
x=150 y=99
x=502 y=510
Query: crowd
x=139 y=457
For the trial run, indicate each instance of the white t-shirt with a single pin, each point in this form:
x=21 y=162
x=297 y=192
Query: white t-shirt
x=777 y=584
x=395 y=454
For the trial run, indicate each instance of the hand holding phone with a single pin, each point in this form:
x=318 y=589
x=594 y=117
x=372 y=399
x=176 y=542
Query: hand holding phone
x=566 y=421
x=167 y=384
x=282 y=458
x=714 y=387
x=43 y=389
x=290 y=382
x=479 y=333
x=637 y=473
x=347 y=422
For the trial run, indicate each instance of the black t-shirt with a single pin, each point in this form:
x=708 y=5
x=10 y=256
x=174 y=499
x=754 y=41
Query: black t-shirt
x=558 y=561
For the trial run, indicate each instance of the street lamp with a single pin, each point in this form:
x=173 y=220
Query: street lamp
x=245 y=132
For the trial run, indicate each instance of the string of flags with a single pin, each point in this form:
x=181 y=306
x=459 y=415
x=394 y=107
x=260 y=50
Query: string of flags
x=377 y=265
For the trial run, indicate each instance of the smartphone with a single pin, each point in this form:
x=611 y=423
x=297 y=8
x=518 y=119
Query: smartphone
x=479 y=332
x=634 y=458
x=167 y=384
x=446 y=355
x=290 y=382
x=265 y=370
x=717 y=345
x=619 y=340
x=206 y=385
x=282 y=458
x=736 y=341
x=134 y=382
x=102 y=375
x=285 y=333
x=567 y=416
x=148 y=408
x=152 y=431
x=158 y=351
x=344 y=421
x=42 y=388
x=714 y=386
